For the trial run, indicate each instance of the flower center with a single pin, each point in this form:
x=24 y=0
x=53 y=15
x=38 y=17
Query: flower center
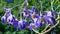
x=33 y=16
x=42 y=19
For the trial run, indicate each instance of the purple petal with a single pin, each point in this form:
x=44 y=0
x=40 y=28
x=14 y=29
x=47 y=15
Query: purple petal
x=15 y=23
x=23 y=24
x=3 y=19
x=10 y=19
x=33 y=8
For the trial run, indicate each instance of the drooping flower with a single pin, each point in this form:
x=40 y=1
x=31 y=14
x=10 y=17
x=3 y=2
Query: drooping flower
x=23 y=24
x=50 y=19
x=37 y=23
x=33 y=9
x=10 y=19
x=31 y=26
x=26 y=13
x=3 y=19
x=54 y=12
x=51 y=13
x=34 y=25
x=15 y=23
x=8 y=11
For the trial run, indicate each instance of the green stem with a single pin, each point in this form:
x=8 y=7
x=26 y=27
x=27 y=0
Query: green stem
x=52 y=4
x=35 y=30
x=46 y=27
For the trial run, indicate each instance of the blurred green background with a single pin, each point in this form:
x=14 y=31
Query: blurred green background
x=46 y=5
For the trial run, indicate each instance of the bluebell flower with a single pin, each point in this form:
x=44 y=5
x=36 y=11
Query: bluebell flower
x=51 y=13
x=33 y=9
x=15 y=23
x=3 y=19
x=8 y=11
x=37 y=23
x=23 y=24
x=25 y=13
x=50 y=19
x=10 y=19
x=34 y=25
x=54 y=12
x=31 y=26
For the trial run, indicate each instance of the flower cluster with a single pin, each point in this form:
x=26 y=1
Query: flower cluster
x=38 y=20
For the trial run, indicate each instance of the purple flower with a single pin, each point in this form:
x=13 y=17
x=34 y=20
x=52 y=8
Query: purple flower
x=37 y=23
x=8 y=11
x=3 y=19
x=15 y=23
x=49 y=14
x=50 y=20
x=26 y=13
x=23 y=24
x=31 y=26
x=33 y=9
x=10 y=19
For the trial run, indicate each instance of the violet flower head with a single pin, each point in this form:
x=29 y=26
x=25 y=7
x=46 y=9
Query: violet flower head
x=23 y=24
x=37 y=22
x=31 y=26
x=3 y=19
x=15 y=23
x=50 y=19
x=49 y=14
x=33 y=9
x=10 y=19
x=8 y=11
x=26 y=13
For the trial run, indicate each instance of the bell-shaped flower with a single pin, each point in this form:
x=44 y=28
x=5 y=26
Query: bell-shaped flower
x=31 y=26
x=8 y=11
x=33 y=9
x=51 y=20
x=3 y=19
x=15 y=23
x=23 y=24
x=25 y=13
x=10 y=19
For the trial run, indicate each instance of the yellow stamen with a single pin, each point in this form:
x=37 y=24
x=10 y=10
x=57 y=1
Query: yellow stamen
x=42 y=20
x=33 y=16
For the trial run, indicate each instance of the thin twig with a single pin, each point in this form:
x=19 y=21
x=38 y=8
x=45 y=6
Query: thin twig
x=52 y=4
x=46 y=28
x=57 y=7
x=51 y=28
x=35 y=30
